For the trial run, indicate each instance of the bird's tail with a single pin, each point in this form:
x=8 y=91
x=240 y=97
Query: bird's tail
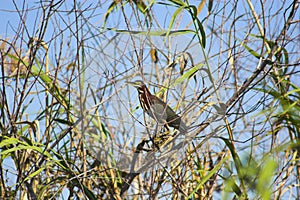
x=182 y=127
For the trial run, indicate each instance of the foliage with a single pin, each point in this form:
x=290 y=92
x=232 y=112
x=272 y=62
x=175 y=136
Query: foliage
x=71 y=126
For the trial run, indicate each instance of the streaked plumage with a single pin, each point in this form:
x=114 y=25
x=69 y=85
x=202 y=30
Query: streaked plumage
x=158 y=109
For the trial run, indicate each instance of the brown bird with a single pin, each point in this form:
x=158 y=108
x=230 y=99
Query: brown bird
x=158 y=109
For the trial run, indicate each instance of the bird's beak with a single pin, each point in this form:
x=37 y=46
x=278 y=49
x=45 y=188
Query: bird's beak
x=132 y=83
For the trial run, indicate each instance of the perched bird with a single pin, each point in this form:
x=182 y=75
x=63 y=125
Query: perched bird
x=158 y=109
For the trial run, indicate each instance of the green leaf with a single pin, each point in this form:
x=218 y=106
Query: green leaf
x=37 y=172
x=179 y=3
x=153 y=33
x=234 y=154
x=173 y=19
x=47 y=80
x=255 y=54
x=63 y=121
x=189 y=74
x=207 y=177
x=237 y=161
x=109 y=10
x=89 y=193
x=26 y=147
x=265 y=179
x=231 y=185
x=202 y=32
x=8 y=141
x=141 y=6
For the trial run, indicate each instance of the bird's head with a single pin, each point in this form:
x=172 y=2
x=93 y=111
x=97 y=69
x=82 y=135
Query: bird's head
x=140 y=86
x=137 y=84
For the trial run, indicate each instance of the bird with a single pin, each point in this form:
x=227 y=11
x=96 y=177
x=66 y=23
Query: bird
x=157 y=109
